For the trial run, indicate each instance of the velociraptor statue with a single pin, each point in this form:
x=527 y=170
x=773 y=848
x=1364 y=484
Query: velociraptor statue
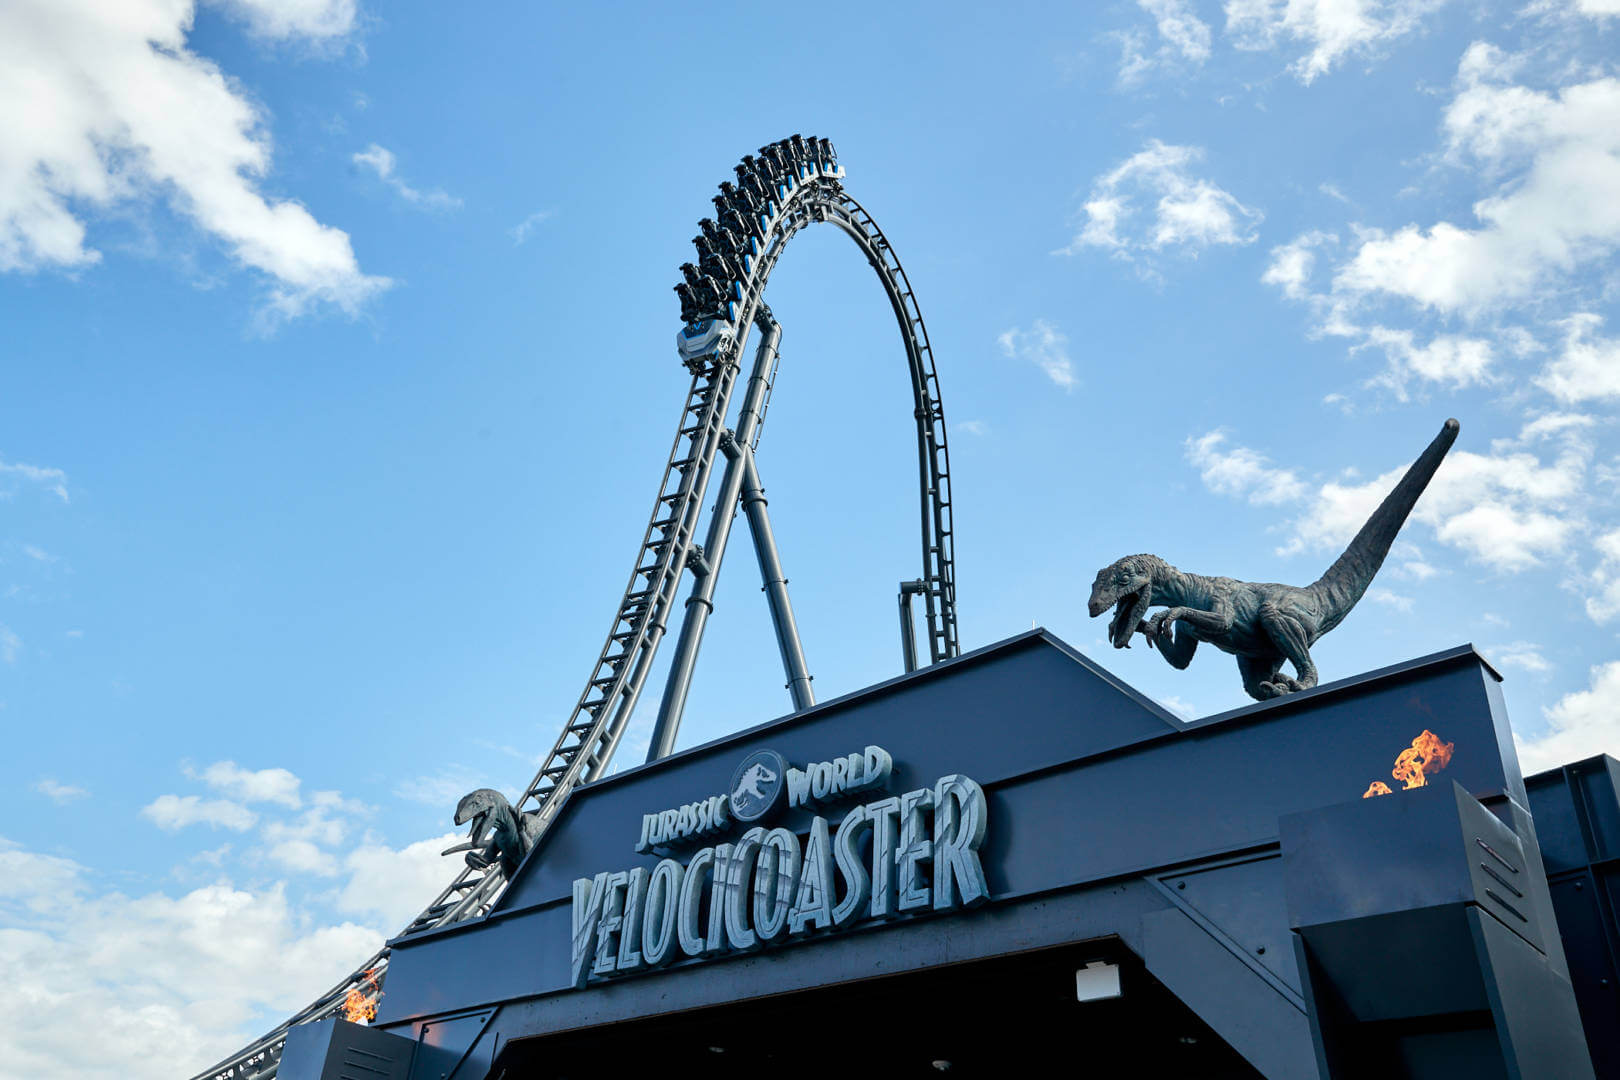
x=1260 y=623
x=499 y=833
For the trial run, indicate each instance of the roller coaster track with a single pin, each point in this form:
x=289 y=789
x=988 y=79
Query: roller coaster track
x=790 y=185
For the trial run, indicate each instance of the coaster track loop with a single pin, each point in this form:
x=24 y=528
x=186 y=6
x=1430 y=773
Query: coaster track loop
x=788 y=186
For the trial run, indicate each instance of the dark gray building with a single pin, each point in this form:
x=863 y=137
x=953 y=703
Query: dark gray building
x=1012 y=859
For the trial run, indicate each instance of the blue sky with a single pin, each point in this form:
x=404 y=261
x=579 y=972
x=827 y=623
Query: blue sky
x=340 y=373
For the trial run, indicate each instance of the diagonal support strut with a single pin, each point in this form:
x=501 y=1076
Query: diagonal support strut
x=706 y=569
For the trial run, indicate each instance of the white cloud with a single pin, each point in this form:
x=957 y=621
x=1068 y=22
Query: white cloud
x=1598 y=8
x=382 y=162
x=396 y=884
x=282 y=20
x=1550 y=425
x=1332 y=191
x=298 y=844
x=248 y=786
x=974 y=427
x=1417 y=570
x=525 y=228
x=1180 y=27
x=1293 y=263
x=58 y=792
x=1581 y=724
x=442 y=789
x=1380 y=595
x=1588 y=368
x=303 y=857
x=174 y=812
x=1558 y=155
x=214 y=857
x=1449 y=360
x=174 y=983
x=1184 y=37
x=10 y=644
x=1241 y=472
x=53 y=480
x=1603 y=585
x=1329 y=29
x=1045 y=346
x=1508 y=509
x=102 y=104
x=1188 y=213
x=1525 y=655
x=1180 y=707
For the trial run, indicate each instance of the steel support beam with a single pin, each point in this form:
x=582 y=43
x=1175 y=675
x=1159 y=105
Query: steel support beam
x=770 y=570
x=706 y=572
x=908 y=632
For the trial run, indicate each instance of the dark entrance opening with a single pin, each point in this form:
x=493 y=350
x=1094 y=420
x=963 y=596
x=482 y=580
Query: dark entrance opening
x=966 y=1020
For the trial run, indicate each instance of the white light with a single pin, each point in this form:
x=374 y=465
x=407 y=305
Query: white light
x=1096 y=981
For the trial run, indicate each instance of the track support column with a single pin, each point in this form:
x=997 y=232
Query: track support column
x=908 y=634
x=770 y=569
x=706 y=571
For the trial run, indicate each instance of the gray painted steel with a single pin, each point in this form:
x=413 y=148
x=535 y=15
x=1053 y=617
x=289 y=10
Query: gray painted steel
x=1109 y=822
x=701 y=602
x=333 y=1049
x=808 y=191
x=770 y=571
x=1577 y=814
x=908 y=629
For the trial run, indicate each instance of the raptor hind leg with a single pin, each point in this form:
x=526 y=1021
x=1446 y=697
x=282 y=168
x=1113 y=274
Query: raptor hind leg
x=1257 y=671
x=1288 y=634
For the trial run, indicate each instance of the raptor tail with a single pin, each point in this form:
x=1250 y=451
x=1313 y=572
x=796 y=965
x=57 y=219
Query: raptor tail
x=1347 y=579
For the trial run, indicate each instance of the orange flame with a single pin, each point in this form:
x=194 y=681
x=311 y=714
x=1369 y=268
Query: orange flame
x=360 y=1003
x=1426 y=756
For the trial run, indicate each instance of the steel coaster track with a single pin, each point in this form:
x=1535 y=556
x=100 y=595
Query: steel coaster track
x=792 y=184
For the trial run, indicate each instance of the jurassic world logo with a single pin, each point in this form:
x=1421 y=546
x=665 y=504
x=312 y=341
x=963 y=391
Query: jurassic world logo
x=756 y=791
x=895 y=856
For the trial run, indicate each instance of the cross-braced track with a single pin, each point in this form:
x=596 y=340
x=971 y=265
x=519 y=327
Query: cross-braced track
x=786 y=187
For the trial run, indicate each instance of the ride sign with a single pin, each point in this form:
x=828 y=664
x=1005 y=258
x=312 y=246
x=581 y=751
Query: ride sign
x=896 y=856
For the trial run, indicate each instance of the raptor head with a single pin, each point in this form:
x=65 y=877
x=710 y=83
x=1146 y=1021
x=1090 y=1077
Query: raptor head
x=1127 y=586
x=479 y=807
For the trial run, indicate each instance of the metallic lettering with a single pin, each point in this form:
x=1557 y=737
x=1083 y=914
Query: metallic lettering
x=610 y=923
x=812 y=907
x=630 y=937
x=916 y=848
x=959 y=824
x=883 y=814
x=587 y=911
x=716 y=942
x=658 y=920
x=738 y=889
x=923 y=854
x=852 y=867
x=690 y=933
x=776 y=880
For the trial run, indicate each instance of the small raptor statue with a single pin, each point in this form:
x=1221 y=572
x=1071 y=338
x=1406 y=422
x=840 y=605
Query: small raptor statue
x=1261 y=624
x=510 y=834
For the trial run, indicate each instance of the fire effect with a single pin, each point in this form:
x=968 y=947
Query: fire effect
x=1426 y=756
x=360 y=1003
